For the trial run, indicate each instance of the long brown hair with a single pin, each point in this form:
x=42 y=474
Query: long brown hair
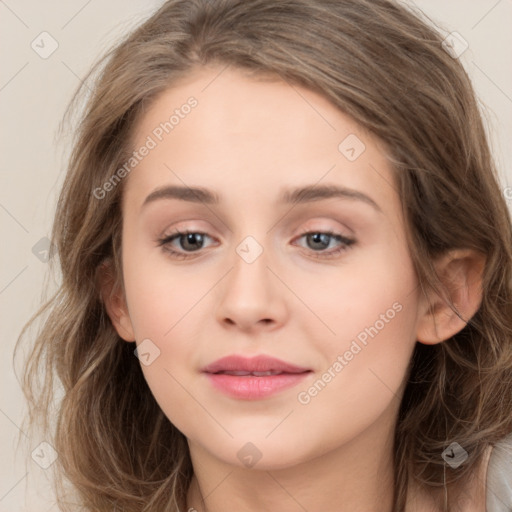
x=378 y=62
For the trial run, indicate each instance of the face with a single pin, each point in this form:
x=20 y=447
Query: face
x=321 y=280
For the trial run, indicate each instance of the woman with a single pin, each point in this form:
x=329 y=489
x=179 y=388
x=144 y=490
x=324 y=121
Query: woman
x=291 y=210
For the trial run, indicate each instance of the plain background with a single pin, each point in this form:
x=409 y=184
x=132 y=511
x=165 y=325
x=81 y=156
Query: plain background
x=33 y=95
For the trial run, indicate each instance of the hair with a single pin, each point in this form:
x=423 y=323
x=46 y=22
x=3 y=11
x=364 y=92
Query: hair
x=383 y=66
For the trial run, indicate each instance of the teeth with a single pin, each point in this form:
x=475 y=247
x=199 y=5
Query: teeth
x=241 y=373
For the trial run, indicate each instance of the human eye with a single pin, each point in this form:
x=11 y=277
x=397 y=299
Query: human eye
x=321 y=240
x=190 y=241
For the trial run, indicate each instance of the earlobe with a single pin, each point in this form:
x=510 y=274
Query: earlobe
x=460 y=272
x=114 y=301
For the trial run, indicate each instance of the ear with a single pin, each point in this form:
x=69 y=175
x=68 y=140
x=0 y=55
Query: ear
x=460 y=271
x=114 y=300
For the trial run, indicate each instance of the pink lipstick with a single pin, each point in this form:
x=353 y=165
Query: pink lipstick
x=253 y=378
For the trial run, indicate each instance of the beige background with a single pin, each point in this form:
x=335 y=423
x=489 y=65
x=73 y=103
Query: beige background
x=33 y=94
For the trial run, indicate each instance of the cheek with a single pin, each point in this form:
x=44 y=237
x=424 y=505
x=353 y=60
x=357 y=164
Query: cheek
x=374 y=290
x=163 y=302
x=363 y=374
x=372 y=311
x=160 y=295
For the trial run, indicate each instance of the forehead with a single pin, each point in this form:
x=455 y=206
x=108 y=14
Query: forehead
x=252 y=135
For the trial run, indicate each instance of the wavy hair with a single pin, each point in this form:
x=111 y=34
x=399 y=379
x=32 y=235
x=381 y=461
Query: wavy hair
x=385 y=67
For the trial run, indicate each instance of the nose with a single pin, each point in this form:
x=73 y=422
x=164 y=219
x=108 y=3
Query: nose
x=252 y=298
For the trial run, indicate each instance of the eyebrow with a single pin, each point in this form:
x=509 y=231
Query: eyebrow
x=300 y=195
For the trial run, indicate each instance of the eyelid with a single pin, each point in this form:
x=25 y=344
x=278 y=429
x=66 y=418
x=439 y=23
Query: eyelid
x=331 y=231
x=326 y=224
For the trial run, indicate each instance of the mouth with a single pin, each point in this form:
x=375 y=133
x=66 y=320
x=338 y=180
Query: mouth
x=253 y=378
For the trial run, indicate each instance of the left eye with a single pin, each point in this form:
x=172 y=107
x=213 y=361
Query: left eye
x=321 y=240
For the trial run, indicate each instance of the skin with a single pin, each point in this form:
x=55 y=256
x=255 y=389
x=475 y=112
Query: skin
x=247 y=140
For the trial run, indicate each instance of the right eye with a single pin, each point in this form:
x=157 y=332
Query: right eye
x=190 y=242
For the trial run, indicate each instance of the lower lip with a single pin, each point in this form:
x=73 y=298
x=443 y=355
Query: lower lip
x=252 y=387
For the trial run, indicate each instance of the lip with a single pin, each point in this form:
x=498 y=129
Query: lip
x=261 y=363
x=253 y=387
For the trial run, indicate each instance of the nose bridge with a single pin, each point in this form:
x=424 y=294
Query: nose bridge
x=250 y=265
x=250 y=249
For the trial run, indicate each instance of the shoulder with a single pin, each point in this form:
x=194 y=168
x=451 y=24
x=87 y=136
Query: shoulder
x=499 y=477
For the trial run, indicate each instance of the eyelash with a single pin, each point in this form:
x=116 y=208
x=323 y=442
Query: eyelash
x=346 y=243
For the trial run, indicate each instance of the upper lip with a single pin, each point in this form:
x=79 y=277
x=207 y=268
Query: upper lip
x=259 y=363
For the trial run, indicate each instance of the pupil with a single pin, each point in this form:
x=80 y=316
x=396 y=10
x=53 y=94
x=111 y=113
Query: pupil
x=193 y=239
x=320 y=238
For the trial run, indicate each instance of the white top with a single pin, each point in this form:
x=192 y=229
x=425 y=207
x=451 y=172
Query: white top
x=499 y=477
